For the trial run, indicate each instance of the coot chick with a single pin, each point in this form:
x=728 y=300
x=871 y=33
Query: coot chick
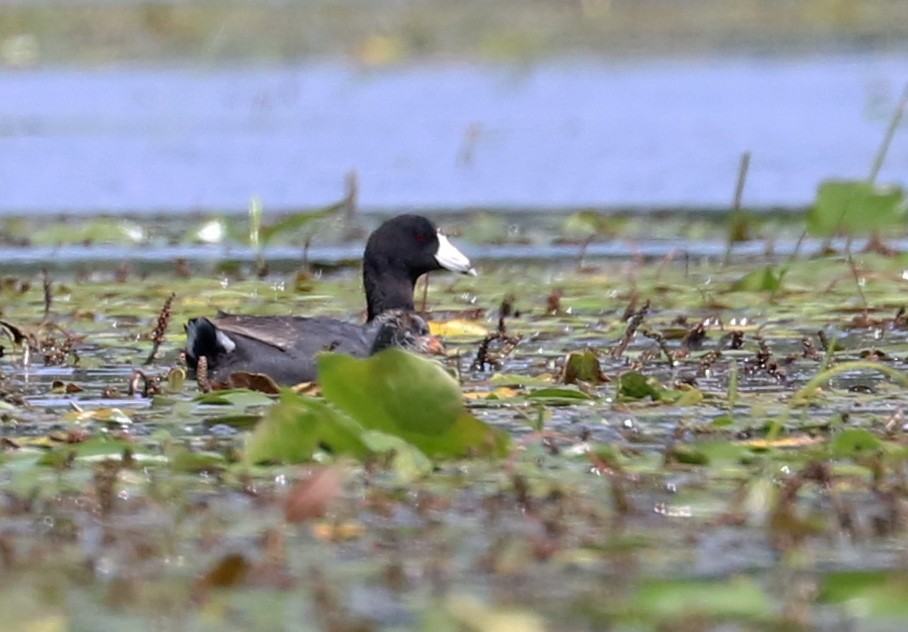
x=284 y=347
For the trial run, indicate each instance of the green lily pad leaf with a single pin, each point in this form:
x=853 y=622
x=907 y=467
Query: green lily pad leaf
x=723 y=421
x=766 y=280
x=867 y=593
x=582 y=366
x=735 y=598
x=187 y=461
x=294 y=222
x=590 y=223
x=569 y=395
x=102 y=446
x=635 y=385
x=241 y=422
x=725 y=452
x=100 y=230
x=513 y=379
x=410 y=397
x=94 y=448
x=241 y=398
x=297 y=427
x=687 y=396
x=409 y=463
x=688 y=455
x=855 y=442
x=854 y=207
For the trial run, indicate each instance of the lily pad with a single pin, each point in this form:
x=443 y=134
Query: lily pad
x=582 y=366
x=855 y=442
x=767 y=279
x=295 y=428
x=410 y=397
x=738 y=598
x=854 y=207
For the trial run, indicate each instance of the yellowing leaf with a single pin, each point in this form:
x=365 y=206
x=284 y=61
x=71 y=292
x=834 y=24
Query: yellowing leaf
x=498 y=393
x=457 y=327
x=787 y=442
x=332 y=532
x=103 y=415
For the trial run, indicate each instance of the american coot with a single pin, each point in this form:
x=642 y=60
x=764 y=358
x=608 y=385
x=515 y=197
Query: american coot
x=284 y=347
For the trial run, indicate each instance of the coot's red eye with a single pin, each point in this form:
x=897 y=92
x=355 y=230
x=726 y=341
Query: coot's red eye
x=421 y=237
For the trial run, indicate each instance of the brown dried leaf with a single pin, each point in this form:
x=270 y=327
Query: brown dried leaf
x=309 y=498
x=229 y=571
x=254 y=382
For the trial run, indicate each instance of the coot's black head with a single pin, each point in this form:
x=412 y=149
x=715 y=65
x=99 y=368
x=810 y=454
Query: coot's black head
x=399 y=252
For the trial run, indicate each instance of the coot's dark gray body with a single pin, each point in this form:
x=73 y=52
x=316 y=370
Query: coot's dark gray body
x=285 y=347
x=279 y=346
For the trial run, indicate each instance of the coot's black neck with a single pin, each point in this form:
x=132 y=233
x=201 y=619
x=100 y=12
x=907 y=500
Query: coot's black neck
x=387 y=287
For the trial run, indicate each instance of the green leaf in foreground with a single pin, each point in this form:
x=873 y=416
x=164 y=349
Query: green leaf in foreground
x=240 y=398
x=407 y=461
x=736 y=598
x=869 y=593
x=402 y=394
x=295 y=428
x=855 y=442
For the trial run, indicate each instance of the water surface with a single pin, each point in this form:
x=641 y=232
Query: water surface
x=557 y=133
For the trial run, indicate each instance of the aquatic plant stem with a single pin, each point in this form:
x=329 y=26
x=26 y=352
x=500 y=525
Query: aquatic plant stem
x=737 y=219
x=425 y=292
x=48 y=293
x=857 y=277
x=806 y=392
x=890 y=134
x=157 y=336
x=875 y=243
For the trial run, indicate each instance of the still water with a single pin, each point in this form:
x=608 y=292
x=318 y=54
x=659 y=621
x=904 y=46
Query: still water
x=555 y=133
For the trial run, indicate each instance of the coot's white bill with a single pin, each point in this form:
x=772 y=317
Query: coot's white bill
x=450 y=258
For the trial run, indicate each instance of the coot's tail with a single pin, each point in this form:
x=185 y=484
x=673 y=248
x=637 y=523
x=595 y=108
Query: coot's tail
x=204 y=339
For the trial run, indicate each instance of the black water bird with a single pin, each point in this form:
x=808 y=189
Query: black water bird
x=285 y=347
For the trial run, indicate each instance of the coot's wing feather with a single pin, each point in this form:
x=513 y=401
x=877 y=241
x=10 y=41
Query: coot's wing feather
x=298 y=336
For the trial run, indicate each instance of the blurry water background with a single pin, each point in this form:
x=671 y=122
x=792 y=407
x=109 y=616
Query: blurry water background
x=139 y=107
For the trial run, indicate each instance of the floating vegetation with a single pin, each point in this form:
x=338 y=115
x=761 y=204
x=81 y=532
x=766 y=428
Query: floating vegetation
x=655 y=432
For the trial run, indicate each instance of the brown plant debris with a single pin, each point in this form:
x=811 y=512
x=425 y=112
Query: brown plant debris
x=486 y=357
x=309 y=498
x=201 y=375
x=253 y=381
x=157 y=336
x=764 y=362
x=632 y=326
x=48 y=293
x=695 y=336
x=659 y=338
x=553 y=302
x=151 y=385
